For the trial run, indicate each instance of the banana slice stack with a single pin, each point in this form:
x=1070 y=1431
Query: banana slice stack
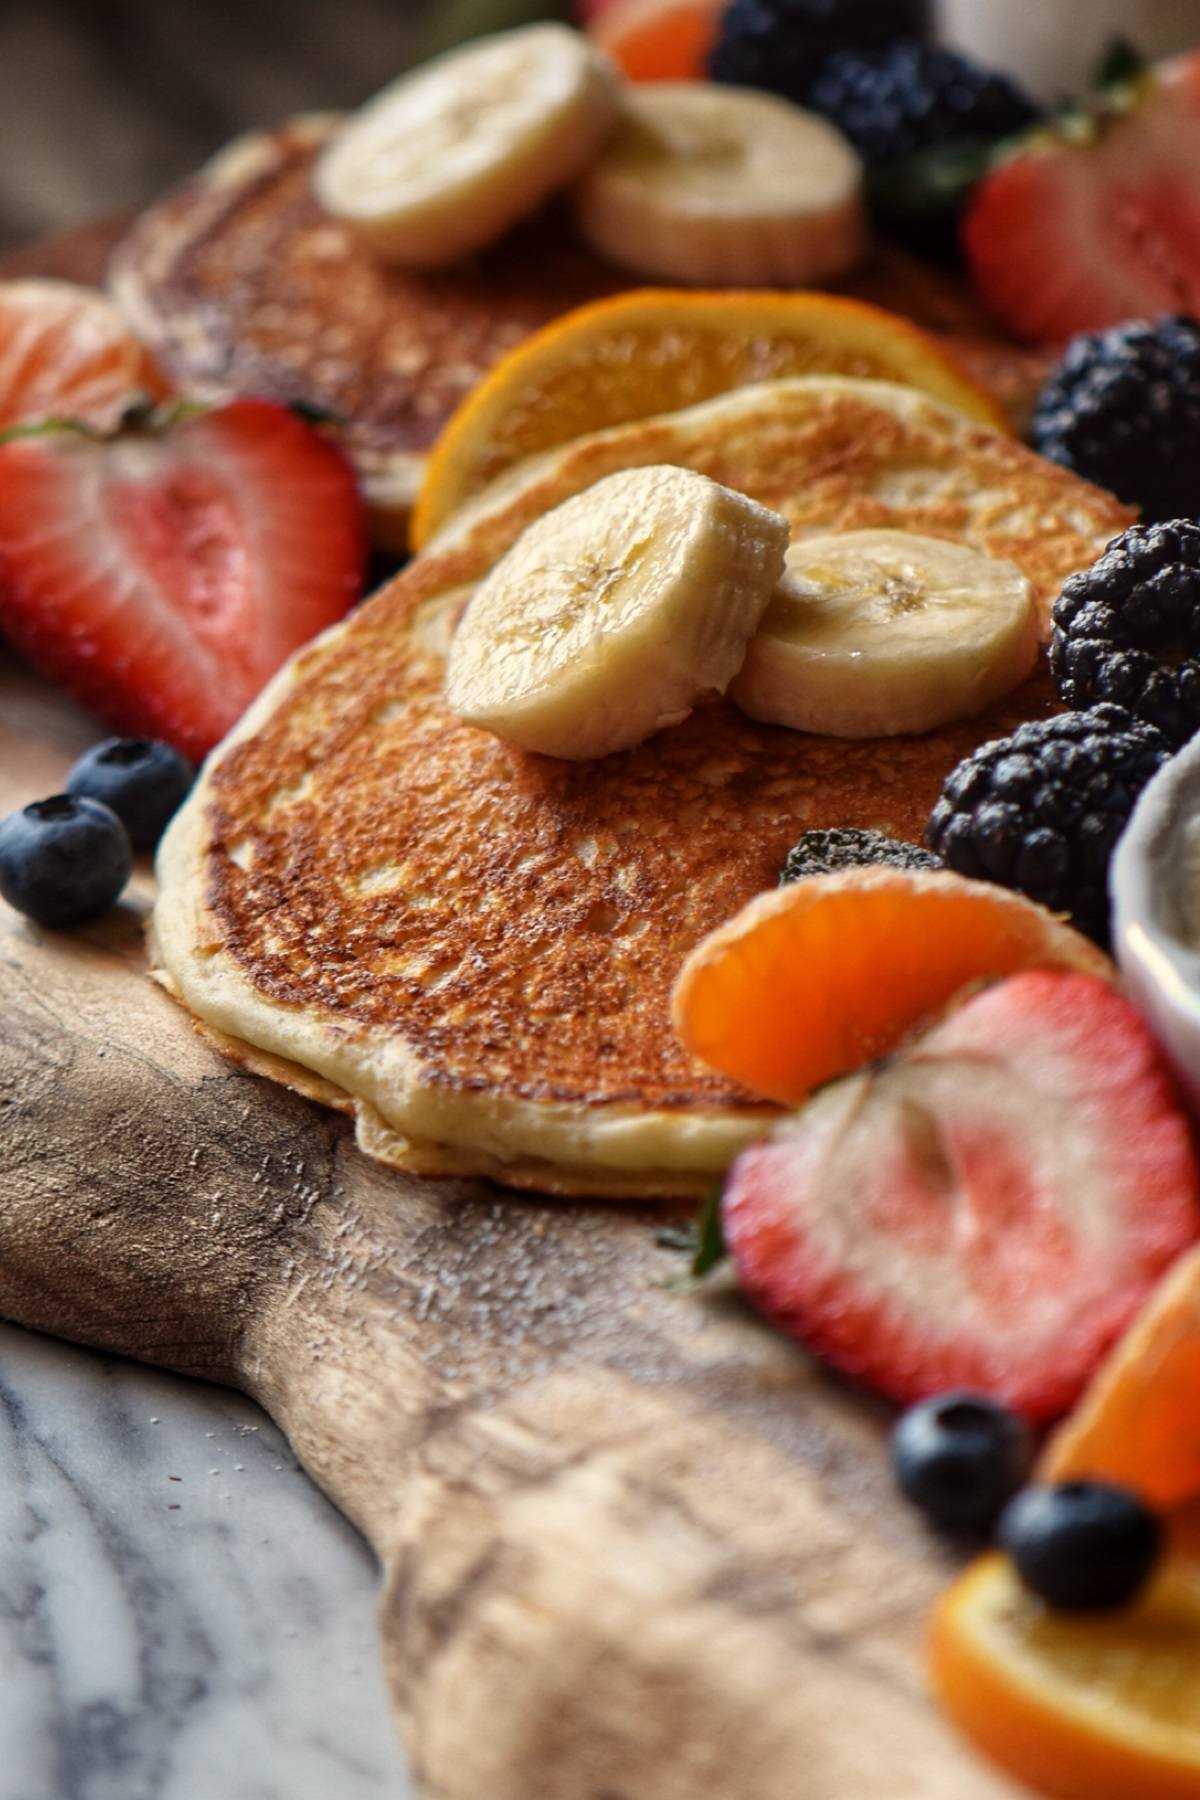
x=684 y=182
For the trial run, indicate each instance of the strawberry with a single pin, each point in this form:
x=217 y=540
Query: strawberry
x=1099 y=220
x=986 y=1211
x=164 y=574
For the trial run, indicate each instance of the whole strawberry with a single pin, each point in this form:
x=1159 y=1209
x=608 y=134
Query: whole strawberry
x=163 y=575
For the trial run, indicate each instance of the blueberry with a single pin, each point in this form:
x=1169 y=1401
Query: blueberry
x=142 y=780
x=960 y=1458
x=1082 y=1546
x=63 y=860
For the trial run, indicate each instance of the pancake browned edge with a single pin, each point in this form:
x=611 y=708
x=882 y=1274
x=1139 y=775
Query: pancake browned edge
x=472 y=947
x=241 y=284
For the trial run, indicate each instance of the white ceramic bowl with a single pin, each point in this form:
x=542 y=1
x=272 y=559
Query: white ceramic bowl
x=1053 y=46
x=1151 y=910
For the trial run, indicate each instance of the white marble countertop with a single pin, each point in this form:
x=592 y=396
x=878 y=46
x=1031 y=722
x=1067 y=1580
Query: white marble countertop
x=183 y=1616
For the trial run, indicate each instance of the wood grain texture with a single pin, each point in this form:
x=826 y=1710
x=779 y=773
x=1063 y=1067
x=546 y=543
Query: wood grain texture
x=634 y=1546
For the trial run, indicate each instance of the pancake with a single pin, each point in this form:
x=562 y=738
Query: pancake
x=240 y=283
x=473 y=948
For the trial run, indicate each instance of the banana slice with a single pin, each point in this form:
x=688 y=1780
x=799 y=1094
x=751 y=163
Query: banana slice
x=874 y=633
x=613 y=614
x=724 y=186
x=446 y=159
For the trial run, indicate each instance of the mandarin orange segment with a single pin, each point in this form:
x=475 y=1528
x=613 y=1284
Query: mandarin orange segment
x=67 y=353
x=1078 y=1706
x=811 y=981
x=659 y=40
x=1139 y=1421
x=658 y=350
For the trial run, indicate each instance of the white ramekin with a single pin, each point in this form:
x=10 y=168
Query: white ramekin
x=1161 y=972
x=1053 y=46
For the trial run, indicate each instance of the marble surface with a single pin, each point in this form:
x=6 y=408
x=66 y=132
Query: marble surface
x=182 y=1614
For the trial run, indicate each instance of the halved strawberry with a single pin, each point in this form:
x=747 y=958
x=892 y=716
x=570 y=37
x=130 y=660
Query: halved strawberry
x=1098 y=221
x=163 y=575
x=986 y=1211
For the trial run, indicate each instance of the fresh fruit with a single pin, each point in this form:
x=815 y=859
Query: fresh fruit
x=1041 y=810
x=1122 y=409
x=928 y=124
x=987 y=1210
x=63 y=861
x=1081 y=1546
x=815 y=979
x=612 y=614
x=1138 y=1424
x=650 y=352
x=828 y=852
x=712 y=185
x=140 y=779
x=163 y=575
x=782 y=45
x=658 y=40
x=911 y=96
x=1097 y=220
x=1127 y=630
x=960 y=1457
x=67 y=353
x=876 y=633
x=1078 y=1707
x=447 y=158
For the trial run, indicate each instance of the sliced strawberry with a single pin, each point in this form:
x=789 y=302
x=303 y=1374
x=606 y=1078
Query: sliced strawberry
x=163 y=576
x=1101 y=223
x=987 y=1211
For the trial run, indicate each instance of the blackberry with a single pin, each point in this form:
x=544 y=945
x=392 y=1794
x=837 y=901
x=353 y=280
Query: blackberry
x=908 y=97
x=1123 y=409
x=781 y=45
x=1041 y=810
x=1128 y=629
x=827 y=852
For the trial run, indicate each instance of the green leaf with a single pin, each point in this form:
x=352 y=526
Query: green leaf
x=710 y=1246
x=39 y=428
x=1121 y=65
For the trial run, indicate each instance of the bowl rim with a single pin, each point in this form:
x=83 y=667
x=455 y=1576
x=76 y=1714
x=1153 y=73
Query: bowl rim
x=1146 y=927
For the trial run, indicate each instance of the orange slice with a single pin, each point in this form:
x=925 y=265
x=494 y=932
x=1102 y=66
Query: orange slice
x=1099 y=1707
x=656 y=350
x=67 y=353
x=813 y=980
x=659 y=40
x=1139 y=1421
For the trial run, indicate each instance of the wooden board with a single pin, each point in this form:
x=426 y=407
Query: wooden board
x=634 y=1546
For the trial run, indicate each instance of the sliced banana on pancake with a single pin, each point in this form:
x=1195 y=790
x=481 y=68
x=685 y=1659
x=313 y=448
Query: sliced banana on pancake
x=612 y=615
x=446 y=159
x=724 y=186
x=877 y=633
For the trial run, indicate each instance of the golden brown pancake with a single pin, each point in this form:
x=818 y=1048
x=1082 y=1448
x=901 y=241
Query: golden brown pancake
x=242 y=284
x=473 y=947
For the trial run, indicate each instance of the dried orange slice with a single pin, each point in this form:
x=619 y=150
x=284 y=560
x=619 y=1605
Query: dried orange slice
x=813 y=980
x=658 y=40
x=67 y=353
x=1139 y=1421
x=1081 y=1707
x=656 y=350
